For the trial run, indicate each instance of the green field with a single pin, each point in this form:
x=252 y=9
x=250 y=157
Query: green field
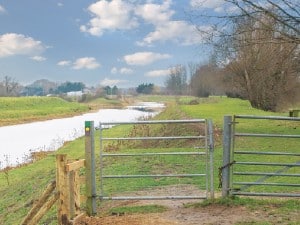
x=15 y=110
x=20 y=186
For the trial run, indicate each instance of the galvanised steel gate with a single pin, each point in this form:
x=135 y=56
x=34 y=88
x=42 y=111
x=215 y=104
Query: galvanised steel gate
x=140 y=164
x=271 y=166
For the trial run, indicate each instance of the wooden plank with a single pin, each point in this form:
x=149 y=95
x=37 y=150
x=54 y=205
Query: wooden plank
x=72 y=193
x=44 y=209
x=75 y=220
x=82 y=179
x=35 y=209
x=77 y=193
x=75 y=165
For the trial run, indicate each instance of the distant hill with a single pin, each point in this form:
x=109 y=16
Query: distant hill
x=40 y=87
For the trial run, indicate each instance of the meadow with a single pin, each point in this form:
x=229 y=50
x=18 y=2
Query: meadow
x=19 y=187
x=16 y=110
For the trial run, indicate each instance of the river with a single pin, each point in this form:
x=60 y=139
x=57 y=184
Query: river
x=17 y=142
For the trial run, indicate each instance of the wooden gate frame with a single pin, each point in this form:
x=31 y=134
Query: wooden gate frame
x=68 y=188
x=65 y=191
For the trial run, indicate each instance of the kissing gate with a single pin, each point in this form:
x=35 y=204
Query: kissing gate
x=140 y=165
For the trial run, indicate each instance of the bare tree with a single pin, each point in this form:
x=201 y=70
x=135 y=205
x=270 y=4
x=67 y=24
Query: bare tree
x=258 y=43
x=9 y=86
x=266 y=73
x=176 y=82
x=285 y=13
x=207 y=80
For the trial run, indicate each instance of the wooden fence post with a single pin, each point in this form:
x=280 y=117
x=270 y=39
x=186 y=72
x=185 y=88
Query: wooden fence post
x=62 y=185
x=90 y=168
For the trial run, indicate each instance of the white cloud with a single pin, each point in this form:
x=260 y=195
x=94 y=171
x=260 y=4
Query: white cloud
x=155 y=13
x=114 y=70
x=125 y=15
x=2 y=9
x=177 y=31
x=157 y=73
x=38 y=58
x=19 y=44
x=144 y=58
x=110 y=15
x=125 y=70
x=64 y=63
x=59 y=4
x=111 y=82
x=86 y=63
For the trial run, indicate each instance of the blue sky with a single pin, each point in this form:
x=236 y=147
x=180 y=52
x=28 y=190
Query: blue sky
x=117 y=42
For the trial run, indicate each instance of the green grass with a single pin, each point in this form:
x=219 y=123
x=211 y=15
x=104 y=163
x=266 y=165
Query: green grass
x=216 y=107
x=28 y=182
x=143 y=209
x=14 y=110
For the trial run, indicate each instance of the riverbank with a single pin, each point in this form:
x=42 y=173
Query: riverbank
x=21 y=186
x=17 y=110
x=21 y=142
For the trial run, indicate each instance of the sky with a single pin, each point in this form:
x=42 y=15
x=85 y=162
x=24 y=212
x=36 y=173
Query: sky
x=106 y=42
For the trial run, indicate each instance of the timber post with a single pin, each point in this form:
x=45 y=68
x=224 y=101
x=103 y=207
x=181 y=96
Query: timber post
x=62 y=187
x=90 y=168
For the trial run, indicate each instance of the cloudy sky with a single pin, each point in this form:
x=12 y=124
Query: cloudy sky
x=116 y=42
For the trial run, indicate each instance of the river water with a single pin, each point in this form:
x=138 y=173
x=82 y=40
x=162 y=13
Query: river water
x=17 y=142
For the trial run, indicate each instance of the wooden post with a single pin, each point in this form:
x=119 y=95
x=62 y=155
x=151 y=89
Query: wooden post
x=62 y=185
x=90 y=168
x=35 y=213
x=44 y=209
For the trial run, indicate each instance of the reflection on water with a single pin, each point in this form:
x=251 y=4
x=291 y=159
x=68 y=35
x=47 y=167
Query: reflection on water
x=18 y=141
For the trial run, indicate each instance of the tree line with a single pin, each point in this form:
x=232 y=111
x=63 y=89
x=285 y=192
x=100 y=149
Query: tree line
x=10 y=87
x=256 y=54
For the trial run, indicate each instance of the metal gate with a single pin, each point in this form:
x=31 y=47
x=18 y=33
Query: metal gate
x=141 y=165
x=271 y=167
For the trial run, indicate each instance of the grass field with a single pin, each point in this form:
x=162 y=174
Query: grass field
x=15 y=110
x=20 y=186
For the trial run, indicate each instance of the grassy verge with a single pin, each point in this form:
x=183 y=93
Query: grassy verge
x=15 y=110
x=27 y=183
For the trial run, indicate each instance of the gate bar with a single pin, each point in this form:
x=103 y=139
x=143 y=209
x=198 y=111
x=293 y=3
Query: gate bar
x=267 y=184
x=152 y=197
x=266 y=174
x=158 y=175
x=267 y=153
x=154 y=138
x=267 y=164
x=154 y=154
x=155 y=122
x=266 y=135
x=267 y=117
x=266 y=194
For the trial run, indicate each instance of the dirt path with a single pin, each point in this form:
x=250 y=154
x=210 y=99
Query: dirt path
x=179 y=214
x=210 y=215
